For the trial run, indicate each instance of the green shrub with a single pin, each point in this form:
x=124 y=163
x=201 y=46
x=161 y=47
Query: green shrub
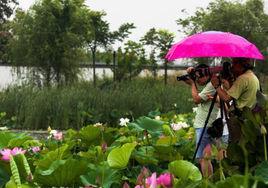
x=81 y=104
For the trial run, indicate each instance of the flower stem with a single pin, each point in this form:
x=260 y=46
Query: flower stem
x=265 y=147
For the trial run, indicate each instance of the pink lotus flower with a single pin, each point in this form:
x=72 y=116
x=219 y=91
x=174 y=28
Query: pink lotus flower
x=165 y=180
x=139 y=186
x=5 y=154
x=35 y=149
x=151 y=181
x=58 y=135
x=16 y=151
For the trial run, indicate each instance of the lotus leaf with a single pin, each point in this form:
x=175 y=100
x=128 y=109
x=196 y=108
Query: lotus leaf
x=90 y=134
x=145 y=155
x=101 y=175
x=262 y=171
x=185 y=170
x=60 y=173
x=153 y=126
x=5 y=137
x=119 y=157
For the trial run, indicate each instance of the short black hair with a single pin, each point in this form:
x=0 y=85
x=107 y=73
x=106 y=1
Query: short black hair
x=201 y=66
x=244 y=61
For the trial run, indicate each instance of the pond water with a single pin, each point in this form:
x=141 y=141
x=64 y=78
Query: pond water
x=8 y=74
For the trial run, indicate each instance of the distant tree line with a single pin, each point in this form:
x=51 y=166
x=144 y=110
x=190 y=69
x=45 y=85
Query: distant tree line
x=55 y=36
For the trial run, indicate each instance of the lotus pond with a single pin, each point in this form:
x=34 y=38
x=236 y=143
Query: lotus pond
x=152 y=151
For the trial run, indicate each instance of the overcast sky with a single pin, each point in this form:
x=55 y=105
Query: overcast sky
x=145 y=14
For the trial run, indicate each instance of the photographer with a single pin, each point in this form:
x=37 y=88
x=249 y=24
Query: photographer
x=245 y=86
x=242 y=91
x=203 y=100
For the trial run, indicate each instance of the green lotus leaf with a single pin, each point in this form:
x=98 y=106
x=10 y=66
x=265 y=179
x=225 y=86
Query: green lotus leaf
x=235 y=181
x=50 y=157
x=90 y=133
x=19 y=141
x=106 y=176
x=166 y=141
x=262 y=171
x=5 y=137
x=185 y=170
x=119 y=157
x=145 y=155
x=153 y=126
x=61 y=173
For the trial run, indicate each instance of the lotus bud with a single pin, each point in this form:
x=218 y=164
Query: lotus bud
x=263 y=129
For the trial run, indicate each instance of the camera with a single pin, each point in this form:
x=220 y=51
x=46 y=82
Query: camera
x=191 y=75
x=201 y=71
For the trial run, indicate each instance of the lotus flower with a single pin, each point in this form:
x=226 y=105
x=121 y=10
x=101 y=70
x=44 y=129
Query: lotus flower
x=151 y=181
x=165 y=180
x=35 y=149
x=16 y=151
x=6 y=153
x=124 y=122
x=58 y=136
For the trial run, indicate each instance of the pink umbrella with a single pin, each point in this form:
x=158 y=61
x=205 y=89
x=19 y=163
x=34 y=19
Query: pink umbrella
x=213 y=44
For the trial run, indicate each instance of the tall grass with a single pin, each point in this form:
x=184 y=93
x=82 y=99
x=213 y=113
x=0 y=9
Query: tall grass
x=80 y=104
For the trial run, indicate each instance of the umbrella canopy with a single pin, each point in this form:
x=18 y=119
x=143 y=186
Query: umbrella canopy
x=213 y=44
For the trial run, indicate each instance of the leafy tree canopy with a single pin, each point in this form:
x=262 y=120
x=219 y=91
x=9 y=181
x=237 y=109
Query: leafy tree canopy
x=246 y=19
x=6 y=9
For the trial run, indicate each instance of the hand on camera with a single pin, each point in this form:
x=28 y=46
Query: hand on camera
x=189 y=70
x=215 y=81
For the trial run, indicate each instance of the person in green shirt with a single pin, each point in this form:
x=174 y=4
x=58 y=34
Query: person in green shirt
x=243 y=90
x=242 y=93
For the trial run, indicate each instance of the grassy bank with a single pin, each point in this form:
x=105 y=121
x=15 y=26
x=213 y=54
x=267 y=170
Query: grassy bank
x=81 y=104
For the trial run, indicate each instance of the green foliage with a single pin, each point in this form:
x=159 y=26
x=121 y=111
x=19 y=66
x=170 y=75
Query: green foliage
x=9 y=139
x=101 y=175
x=89 y=134
x=15 y=172
x=185 y=170
x=145 y=155
x=262 y=171
x=118 y=158
x=60 y=173
x=246 y=19
x=154 y=127
x=7 y=8
x=49 y=37
x=82 y=104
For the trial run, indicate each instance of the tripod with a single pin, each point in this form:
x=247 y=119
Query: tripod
x=205 y=125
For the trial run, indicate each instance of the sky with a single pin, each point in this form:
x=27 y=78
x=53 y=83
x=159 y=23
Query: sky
x=145 y=14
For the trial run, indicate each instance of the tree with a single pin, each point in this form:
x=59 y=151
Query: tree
x=6 y=9
x=99 y=35
x=49 y=37
x=130 y=60
x=245 y=19
x=159 y=41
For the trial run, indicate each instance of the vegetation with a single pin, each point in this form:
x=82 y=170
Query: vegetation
x=81 y=104
x=151 y=151
x=245 y=19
